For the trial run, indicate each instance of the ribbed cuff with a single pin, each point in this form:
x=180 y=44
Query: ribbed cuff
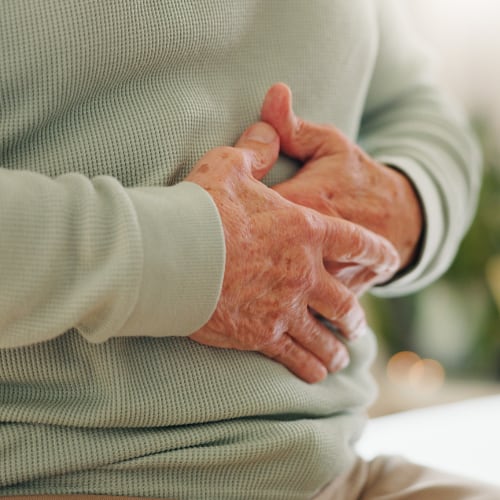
x=184 y=257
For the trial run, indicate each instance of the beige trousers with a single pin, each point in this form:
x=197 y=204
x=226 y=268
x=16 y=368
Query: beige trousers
x=384 y=478
x=394 y=478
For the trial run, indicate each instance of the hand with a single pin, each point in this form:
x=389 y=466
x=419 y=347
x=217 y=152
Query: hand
x=339 y=179
x=275 y=281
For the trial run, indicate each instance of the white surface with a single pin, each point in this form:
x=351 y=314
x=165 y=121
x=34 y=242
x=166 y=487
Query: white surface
x=463 y=438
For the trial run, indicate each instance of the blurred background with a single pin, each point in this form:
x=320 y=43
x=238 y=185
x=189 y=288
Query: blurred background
x=443 y=344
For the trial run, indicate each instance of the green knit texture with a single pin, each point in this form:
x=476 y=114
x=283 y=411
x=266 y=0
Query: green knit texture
x=138 y=91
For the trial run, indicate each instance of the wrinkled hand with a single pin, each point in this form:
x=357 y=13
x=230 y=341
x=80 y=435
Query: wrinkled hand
x=275 y=281
x=338 y=179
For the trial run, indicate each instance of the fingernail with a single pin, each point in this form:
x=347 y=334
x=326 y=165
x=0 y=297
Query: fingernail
x=359 y=332
x=339 y=362
x=261 y=132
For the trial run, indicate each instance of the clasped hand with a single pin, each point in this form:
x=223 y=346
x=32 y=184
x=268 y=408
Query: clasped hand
x=287 y=265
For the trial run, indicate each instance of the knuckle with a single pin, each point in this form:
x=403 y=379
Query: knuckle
x=280 y=349
x=312 y=333
x=270 y=339
x=300 y=128
x=341 y=139
x=361 y=244
x=359 y=238
x=310 y=224
x=346 y=305
x=224 y=151
x=302 y=281
x=227 y=153
x=287 y=349
x=234 y=160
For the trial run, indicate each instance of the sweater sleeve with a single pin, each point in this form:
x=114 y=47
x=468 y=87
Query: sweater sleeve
x=109 y=261
x=411 y=125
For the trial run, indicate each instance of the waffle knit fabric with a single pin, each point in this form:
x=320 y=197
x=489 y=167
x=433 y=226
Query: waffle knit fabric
x=109 y=260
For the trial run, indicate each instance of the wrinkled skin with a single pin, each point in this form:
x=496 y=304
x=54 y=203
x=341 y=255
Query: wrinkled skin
x=275 y=281
x=339 y=179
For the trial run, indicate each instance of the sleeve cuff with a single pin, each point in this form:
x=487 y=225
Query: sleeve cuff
x=184 y=258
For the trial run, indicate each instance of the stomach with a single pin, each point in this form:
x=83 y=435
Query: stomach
x=110 y=415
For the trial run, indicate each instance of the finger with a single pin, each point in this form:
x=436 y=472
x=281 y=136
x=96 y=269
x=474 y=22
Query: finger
x=356 y=278
x=345 y=241
x=299 y=138
x=260 y=143
x=316 y=338
x=297 y=359
x=336 y=303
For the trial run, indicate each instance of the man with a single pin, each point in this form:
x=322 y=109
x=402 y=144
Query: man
x=180 y=332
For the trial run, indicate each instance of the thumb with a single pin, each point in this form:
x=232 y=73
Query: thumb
x=299 y=138
x=261 y=145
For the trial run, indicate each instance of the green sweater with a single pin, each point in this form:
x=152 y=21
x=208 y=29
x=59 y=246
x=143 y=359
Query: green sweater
x=108 y=260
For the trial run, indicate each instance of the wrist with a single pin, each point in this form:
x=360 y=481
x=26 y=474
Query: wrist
x=407 y=214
